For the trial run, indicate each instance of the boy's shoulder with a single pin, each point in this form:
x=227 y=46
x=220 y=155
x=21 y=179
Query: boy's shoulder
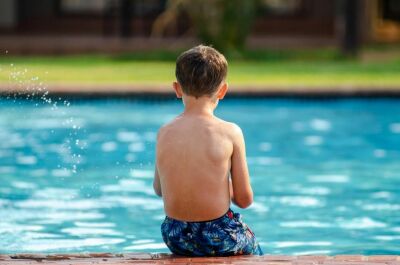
x=164 y=128
x=230 y=129
x=169 y=126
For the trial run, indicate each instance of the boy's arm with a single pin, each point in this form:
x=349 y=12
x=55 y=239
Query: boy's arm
x=230 y=188
x=156 y=183
x=242 y=191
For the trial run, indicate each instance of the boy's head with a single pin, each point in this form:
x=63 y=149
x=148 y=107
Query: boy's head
x=200 y=71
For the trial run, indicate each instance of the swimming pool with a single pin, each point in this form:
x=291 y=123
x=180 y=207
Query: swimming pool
x=326 y=174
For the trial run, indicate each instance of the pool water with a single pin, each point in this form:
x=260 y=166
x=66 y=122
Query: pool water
x=326 y=174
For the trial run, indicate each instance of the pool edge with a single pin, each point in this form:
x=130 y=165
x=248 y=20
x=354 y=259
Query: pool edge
x=162 y=258
x=164 y=92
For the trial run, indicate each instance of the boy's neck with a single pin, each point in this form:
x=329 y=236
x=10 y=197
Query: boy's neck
x=200 y=106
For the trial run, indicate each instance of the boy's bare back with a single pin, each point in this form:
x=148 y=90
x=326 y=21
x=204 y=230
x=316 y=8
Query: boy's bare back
x=201 y=162
x=193 y=160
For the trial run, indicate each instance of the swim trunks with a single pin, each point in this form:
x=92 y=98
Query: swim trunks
x=227 y=235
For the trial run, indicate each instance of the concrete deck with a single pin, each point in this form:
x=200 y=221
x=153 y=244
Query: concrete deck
x=147 y=258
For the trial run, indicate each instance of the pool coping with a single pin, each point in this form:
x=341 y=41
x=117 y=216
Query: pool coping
x=162 y=258
x=165 y=92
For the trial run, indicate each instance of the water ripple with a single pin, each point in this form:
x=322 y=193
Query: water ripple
x=298 y=224
x=85 y=231
x=328 y=178
x=361 y=223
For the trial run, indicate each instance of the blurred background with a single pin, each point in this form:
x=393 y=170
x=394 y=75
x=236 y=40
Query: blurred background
x=83 y=85
x=291 y=38
x=47 y=24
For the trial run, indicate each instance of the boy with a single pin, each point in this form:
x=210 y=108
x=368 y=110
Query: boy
x=201 y=165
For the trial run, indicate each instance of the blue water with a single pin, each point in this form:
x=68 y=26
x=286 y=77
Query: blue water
x=326 y=175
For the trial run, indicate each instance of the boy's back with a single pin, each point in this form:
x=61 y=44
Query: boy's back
x=201 y=165
x=193 y=161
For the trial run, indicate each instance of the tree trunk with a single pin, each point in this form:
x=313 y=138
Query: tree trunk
x=126 y=17
x=350 y=35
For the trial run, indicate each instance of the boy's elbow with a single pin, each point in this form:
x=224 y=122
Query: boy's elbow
x=244 y=204
x=244 y=201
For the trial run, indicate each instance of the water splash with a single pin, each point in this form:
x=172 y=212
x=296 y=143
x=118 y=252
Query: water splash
x=22 y=84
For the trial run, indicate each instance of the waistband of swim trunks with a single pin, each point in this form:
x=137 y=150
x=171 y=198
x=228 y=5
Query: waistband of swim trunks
x=206 y=221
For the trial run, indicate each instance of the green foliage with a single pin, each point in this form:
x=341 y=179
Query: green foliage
x=224 y=24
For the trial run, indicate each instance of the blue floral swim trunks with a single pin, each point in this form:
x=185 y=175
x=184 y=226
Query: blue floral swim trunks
x=227 y=235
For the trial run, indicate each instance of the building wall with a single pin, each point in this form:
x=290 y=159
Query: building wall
x=315 y=18
x=47 y=18
x=8 y=14
x=36 y=9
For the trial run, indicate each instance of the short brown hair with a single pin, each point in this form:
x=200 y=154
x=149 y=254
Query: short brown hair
x=201 y=70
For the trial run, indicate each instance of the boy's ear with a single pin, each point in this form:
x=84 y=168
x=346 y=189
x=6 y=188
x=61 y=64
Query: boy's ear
x=178 y=89
x=222 y=90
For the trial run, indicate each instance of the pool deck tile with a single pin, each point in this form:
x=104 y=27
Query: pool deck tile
x=350 y=258
x=147 y=258
x=383 y=258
